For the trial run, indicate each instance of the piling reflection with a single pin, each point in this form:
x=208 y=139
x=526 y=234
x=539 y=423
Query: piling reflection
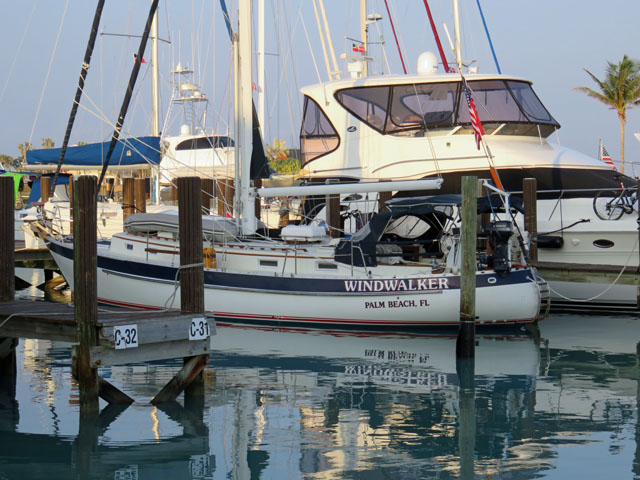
x=288 y=404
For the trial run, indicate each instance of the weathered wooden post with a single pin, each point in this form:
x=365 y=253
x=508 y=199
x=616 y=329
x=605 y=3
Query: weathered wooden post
x=7 y=239
x=465 y=345
x=8 y=365
x=221 y=193
x=86 y=288
x=190 y=232
x=190 y=379
x=530 y=197
x=383 y=197
x=207 y=195
x=333 y=213
x=140 y=195
x=128 y=200
x=226 y=192
x=45 y=188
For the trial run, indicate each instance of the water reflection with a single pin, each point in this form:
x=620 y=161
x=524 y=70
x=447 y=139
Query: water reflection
x=287 y=404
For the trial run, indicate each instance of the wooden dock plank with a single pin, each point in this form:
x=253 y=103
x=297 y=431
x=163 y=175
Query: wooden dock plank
x=102 y=356
x=55 y=321
x=152 y=330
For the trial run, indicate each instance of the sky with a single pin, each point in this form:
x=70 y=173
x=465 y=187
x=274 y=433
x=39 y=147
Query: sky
x=549 y=42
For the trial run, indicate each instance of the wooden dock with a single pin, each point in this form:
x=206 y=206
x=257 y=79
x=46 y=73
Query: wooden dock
x=158 y=334
x=108 y=336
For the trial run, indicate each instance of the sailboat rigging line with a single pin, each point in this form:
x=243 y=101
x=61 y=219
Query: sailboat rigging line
x=18 y=50
x=313 y=57
x=83 y=76
x=484 y=23
x=437 y=37
x=293 y=69
x=127 y=97
x=393 y=29
x=332 y=52
x=128 y=35
x=46 y=80
x=322 y=41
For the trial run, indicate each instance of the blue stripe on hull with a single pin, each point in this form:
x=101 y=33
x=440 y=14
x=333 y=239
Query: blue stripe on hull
x=264 y=283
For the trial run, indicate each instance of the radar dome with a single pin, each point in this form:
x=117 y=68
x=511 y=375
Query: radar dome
x=427 y=63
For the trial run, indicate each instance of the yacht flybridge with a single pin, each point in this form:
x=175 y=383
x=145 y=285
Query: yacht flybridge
x=416 y=126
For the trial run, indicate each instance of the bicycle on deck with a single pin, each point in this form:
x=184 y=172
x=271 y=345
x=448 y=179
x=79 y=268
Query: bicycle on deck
x=612 y=204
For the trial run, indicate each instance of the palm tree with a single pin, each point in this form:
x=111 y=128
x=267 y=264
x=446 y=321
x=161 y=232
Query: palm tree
x=620 y=90
x=22 y=148
x=47 y=142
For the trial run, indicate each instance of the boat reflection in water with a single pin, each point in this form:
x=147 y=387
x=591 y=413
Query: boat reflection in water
x=291 y=404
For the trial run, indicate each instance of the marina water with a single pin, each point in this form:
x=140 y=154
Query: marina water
x=556 y=404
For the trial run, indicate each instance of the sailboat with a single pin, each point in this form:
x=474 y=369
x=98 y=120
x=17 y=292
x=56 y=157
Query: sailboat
x=400 y=271
x=409 y=127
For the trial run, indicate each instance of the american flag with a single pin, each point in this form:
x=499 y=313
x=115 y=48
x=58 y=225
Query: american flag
x=605 y=157
x=473 y=114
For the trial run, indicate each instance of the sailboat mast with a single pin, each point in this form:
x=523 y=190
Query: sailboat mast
x=456 y=27
x=155 y=105
x=261 y=112
x=155 y=98
x=245 y=209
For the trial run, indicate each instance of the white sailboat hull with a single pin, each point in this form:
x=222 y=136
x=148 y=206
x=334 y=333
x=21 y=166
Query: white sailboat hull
x=339 y=302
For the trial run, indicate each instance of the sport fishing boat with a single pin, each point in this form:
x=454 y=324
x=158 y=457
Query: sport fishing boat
x=401 y=271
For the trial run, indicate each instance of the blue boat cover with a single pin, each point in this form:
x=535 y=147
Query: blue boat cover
x=128 y=152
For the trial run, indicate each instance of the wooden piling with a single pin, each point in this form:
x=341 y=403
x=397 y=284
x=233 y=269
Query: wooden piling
x=190 y=378
x=190 y=232
x=86 y=288
x=465 y=345
x=140 y=195
x=45 y=188
x=530 y=197
x=7 y=239
x=224 y=194
x=128 y=197
x=333 y=213
x=8 y=364
x=383 y=197
x=207 y=195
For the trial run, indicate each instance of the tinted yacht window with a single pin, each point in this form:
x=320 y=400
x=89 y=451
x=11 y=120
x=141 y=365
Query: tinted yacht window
x=430 y=105
x=530 y=102
x=317 y=135
x=368 y=104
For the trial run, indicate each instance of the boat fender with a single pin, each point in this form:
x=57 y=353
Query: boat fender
x=550 y=241
x=209 y=257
